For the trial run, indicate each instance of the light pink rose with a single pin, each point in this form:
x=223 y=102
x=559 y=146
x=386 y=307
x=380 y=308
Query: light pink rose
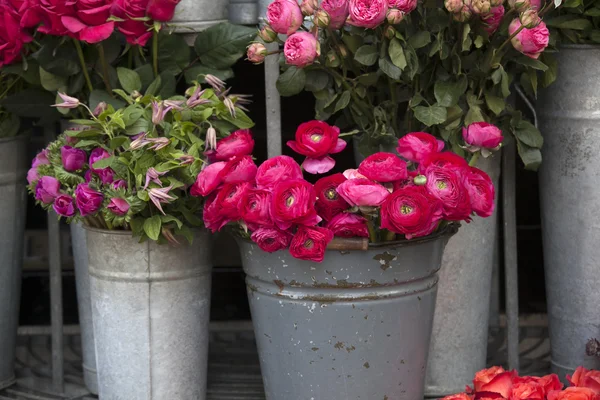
x=337 y=10
x=284 y=16
x=530 y=42
x=482 y=135
x=301 y=49
x=362 y=192
x=404 y=5
x=367 y=13
x=493 y=19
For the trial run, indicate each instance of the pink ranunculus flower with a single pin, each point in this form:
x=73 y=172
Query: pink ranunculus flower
x=481 y=191
x=293 y=203
x=416 y=146
x=383 y=167
x=284 y=16
x=482 y=136
x=348 y=225
x=275 y=170
x=316 y=140
x=63 y=205
x=72 y=159
x=89 y=23
x=405 y=6
x=367 y=13
x=213 y=218
x=208 y=180
x=162 y=10
x=363 y=192
x=531 y=42
x=255 y=208
x=338 y=12
x=239 y=169
x=239 y=143
x=118 y=206
x=310 y=243
x=271 y=239
x=301 y=49
x=47 y=189
x=493 y=19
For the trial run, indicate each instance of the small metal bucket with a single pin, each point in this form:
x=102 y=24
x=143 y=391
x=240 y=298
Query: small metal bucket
x=356 y=326
x=151 y=307
x=196 y=15
x=13 y=203
x=243 y=12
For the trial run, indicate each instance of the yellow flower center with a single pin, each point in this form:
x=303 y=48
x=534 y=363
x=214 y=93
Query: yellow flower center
x=331 y=194
x=315 y=137
x=441 y=185
x=406 y=209
x=289 y=201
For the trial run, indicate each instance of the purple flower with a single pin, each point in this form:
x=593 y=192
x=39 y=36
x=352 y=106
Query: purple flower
x=88 y=200
x=41 y=159
x=118 y=206
x=63 y=205
x=158 y=196
x=32 y=175
x=119 y=184
x=72 y=159
x=153 y=175
x=159 y=112
x=107 y=175
x=88 y=176
x=68 y=101
x=97 y=154
x=195 y=99
x=47 y=189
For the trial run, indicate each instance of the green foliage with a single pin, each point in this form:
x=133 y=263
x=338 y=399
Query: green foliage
x=575 y=21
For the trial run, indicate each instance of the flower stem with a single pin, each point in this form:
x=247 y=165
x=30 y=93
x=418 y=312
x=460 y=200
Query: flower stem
x=105 y=69
x=389 y=236
x=372 y=233
x=510 y=38
x=155 y=52
x=86 y=75
x=474 y=159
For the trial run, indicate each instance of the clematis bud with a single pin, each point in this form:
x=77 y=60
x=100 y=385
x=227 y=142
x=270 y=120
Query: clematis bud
x=100 y=108
x=420 y=180
x=211 y=138
x=256 y=53
x=390 y=32
x=394 y=16
x=519 y=5
x=481 y=6
x=136 y=95
x=463 y=15
x=322 y=19
x=267 y=34
x=309 y=7
x=530 y=18
x=68 y=101
x=453 y=6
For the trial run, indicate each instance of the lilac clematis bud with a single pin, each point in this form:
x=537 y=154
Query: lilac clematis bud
x=158 y=196
x=153 y=175
x=211 y=139
x=139 y=141
x=195 y=98
x=100 y=108
x=159 y=143
x=68 y=101
x=217 y=84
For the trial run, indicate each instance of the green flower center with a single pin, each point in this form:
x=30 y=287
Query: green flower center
x=441 y=185
x=309 y=244
x=289 y=201
x=315 y=137
x=406 y=209
x=331 y=194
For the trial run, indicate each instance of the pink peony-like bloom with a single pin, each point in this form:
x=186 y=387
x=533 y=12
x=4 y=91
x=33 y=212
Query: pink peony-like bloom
x=72 y=159
x=367 y=13
x=493 y=19
x=47 y=189
x=338 y=12
x=383 y=167
x=363 y=192
x=63 y=205
x=316 y=140
x=275 y=170
x=443 y=159
x=162 y=10
x=406 y=6
x=271 y=239
x=293 y=203
x=118 y=206
x=531 y=42
x=310 y=243
x=255 y=208
x=208 y=180
x=481 y=135
x=348 y=225
x=329 y=202
x=88 y=200
x=446 y=185
x=239 y=169
x=239 y=143
x=416 y=146
x=301 y=49
x=481 y=191
x=284 y=16
x=89 y=22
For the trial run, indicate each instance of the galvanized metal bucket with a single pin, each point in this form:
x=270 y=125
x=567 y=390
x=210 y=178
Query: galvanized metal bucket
x=196 y=15
x=151 y=306
x=569 y=119
x=84 y=303
x=13 y=203
x=244 y=12
x=356 y=326
x=460 y=327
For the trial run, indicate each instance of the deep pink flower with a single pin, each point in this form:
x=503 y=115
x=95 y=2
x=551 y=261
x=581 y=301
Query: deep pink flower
x=72 y=159
x=348 y=225
x=275 y=170
x=255 y=208
x=135 y=31
x=531 y=42
x=301 y=49
x=284 y=16
x=88 y=200
x=406 y=6
x=63 y=205
x=32 y=175
x=239 y=169
x=480 y=135
x=310 y=243
x=446 y=185
x=493 y=19
x=12 y=36
x=106 y=175
x=89 y=21
x=293 y=203
x=118 y=206
x=162 y=10
x=214 y=220
x=481 y=191
x=239 y=143
x=208 y=180
x=329 y=202
x=338 y=12
x=229 y=199
x=383 y=167
x=41 y=159
x=367 y=13
x=47 y=189
x=271 y=239
x=97 y=154
x=316 y=140
x=363 y=192
x=416 y=146
x=443 y=159
x=49 y=13
x=119 y=184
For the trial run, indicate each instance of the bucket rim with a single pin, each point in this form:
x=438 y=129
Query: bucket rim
x=19 y=136
x=582 y=46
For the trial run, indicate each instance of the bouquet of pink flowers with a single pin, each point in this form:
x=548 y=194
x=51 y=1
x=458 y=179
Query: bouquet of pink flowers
x=388 y=197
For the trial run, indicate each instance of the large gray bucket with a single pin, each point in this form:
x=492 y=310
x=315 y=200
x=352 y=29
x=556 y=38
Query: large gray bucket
x=460 y=326
x=13 y=205
x=196 y=15
x=243 y=12
x=569 y=118
x=356 y=326
x=151 y=306
x=84 y=303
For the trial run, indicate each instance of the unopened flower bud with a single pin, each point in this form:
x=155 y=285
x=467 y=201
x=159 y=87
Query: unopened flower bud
x=136 y=95
x=453 y=6
x=496 y=3
x=530 y=19
x=390 y=32
x=322 y=19
x=267 y=34
x=394 y=16
x=333 y=60
x=211 y=138
x=420 y=180
x=463 y=15
x=481 y=7
x=519 y=5
x=309 y=7
x=343 y=50
x=257 y=53
x=100 y=108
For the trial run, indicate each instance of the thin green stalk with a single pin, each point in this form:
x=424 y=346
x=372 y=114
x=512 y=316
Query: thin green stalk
x=389 y=236
x=474 y=159
x=347 y=86
x=510 y=38
x=10 y=86
x=86 y=75
x=130 y=59
x=372 y=233
x=105 y=76
x=394 y=100
x=155 y=53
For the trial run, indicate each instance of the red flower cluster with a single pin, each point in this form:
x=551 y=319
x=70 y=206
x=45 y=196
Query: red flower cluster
x=282 y=210
x=496 y=383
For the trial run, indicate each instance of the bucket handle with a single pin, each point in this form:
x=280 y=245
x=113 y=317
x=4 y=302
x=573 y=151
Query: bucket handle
x=528 y=103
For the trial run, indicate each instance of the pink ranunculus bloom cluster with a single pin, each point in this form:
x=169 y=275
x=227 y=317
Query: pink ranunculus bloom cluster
x=408 y=195
x=497 y=383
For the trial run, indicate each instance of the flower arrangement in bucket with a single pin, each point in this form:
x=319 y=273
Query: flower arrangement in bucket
x=389 y=67
x=497 y=383
x=389 y=196
x=131 y=169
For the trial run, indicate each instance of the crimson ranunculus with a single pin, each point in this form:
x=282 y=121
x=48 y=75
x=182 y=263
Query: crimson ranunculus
x=363 y=192
x=72 y=159
x=293 y=203
x=90 y=22
x=416 y=146
x=411 y=211
x=208 y=180
x=130 y=11
x=527 y=391
x=118 y=206
x=301 y=49
x=229 y=199
x=348 y=225
x=367 y=13
x=310 y=243
x=284 y=16
x=574 y=393
x=271 y=239
x=338 y=12
x=47 y=189
x=583 y=377
x=531 y=42
x=481 y=135
x=239 y=169
x=481 y=191
x=329 y=202
x=446 y=185
x=383 y=167
x=162 y=10
x=275 y=170
x=214 y=220
x=63 y=205
x=255 y=208
x=88 y=200
x=239 y=143
x=316 y=140
x=444 y=159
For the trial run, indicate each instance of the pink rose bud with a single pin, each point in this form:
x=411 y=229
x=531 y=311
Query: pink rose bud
x=480 y=7
x=301 y=49
x=47 y=189
x=322 y=19
x=337 y=10
x=453 y=6
x=390 y=32
x=530 y=19
x=394 y=16
x=118 y=206
x=367 y=13
x=406 y=6
x=463 y=15
x=519 y=5
x=119 y=184
x=493 y=20
x=481 y=135
x=68 y=101
x=72 y=159
x=333 y=60
x=309 y=7
x=284 y=16
x=256 y=53
x=32 y=175
x=63 y=205
x=100 y=108
x=267 y=34
x=531 y=42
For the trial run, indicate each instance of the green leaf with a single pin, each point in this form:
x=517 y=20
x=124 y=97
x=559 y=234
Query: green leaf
x=316 y=80
x=104 y=163
x=146 y=75
x=527 y=133
x=551 y=74
x=132 y=114
x=569 y=22
x=366 y=55
x=474 y=115
x=466 y=39
x=29 y=71
x=57 y=57
x=152 y=227
x=291 y=82
x=593 y=12
x=168 y=87
x=431 y=115
x=173 y=53
x=31 y=103
x=530 y=62
x=369 y=79
x=220 y=46
x=186 y=233
x=194 y=73
x=9 y=127
x=420 y=39
x=343 y=101
x=531 y=157
x=241 y=120
x=97 y=96
x=130 y=81
x=494 y=103
x=169 y=218
x=154 y=87
x=52 y=82
x=390 y=69
x=447 y=94
x=397 y=54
